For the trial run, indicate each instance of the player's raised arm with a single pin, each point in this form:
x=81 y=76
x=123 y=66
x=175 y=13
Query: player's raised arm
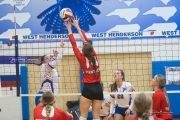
x=75 y=23
x=78 y=54
x=57 y=55
x=84 y=39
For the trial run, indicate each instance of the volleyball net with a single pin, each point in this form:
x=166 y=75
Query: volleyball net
x=141 y=55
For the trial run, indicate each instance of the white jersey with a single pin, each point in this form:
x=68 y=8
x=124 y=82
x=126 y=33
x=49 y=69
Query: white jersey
x=122 y=100
x=104 y=111
x=49 y=76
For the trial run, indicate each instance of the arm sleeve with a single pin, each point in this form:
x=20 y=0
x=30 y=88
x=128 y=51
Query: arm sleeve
x=56 y=60
x=112 y=105
x=132 y=97
x=77 y=53
x=131 y=105
x=84 y=39
x=83 y=36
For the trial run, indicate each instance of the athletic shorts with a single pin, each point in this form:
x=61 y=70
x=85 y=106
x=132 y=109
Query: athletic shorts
x=93 y=91
x=102 y=117
x=121 y=111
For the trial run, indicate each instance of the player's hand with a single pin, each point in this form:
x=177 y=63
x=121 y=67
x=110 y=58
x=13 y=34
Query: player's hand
x=127 y=112
x=68 y=25
x=109 y=117
x=62 y=44
x=55 y=53
x=75 y=21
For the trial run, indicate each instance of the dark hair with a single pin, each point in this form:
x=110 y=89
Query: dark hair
x=114 y=85
x=88 y=52
x=41 y=61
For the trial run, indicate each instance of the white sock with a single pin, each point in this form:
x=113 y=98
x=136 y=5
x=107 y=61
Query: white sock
x=82 y=118
x=96 y=119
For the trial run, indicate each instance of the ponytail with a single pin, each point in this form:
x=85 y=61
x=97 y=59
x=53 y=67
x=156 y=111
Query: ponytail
x=165 y=93
x=94 y=63
x=145 y=115
x=48 y=111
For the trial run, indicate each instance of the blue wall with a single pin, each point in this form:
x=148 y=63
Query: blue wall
x=158 y=67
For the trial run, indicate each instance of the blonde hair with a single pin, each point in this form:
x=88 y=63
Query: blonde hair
x=142 y=105
x=48 y=99
x=162 y=82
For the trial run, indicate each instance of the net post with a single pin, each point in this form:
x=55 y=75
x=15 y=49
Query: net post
x=17 y=66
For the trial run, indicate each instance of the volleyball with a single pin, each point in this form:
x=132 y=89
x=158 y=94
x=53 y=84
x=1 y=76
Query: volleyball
x=66 y=14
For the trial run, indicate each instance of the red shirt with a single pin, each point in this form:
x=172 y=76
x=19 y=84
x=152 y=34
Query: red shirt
x=160 y=105
x=152 y=117
x=57 y=114
x=85 y=62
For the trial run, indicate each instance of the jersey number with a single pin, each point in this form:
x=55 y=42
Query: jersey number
x=120 y=96
x=87 y=63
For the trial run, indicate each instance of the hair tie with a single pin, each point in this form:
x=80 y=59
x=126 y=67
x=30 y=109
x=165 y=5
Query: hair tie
x=162 y=87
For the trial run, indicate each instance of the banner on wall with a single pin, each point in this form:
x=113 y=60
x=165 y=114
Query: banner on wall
x=94 y=36
x=20 y=59
x=172 y=75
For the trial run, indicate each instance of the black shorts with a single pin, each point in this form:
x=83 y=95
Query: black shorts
x=93 y=91
x=102 y=117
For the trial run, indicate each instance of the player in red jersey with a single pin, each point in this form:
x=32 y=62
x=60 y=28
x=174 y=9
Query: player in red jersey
x=142 y=107
x=46 y=110
x=161 y=105
x=92 y=91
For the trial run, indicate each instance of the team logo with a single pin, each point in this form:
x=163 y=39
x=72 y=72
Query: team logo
x=81 y=8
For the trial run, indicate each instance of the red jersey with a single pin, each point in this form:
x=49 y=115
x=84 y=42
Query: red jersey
x=160 y=105
x=150 y=118
x=85 y=62
x=55 y=114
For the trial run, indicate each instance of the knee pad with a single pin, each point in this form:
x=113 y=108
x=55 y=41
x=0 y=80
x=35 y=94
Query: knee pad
x=82 y=118
x=97 y=119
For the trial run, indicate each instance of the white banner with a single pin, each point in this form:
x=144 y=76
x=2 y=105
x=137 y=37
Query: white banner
x=103 y=36
x=172 y=75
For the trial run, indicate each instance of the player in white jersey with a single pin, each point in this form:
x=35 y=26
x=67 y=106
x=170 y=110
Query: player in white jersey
x=49 y=76
x=104 y=111
x=123 y=109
